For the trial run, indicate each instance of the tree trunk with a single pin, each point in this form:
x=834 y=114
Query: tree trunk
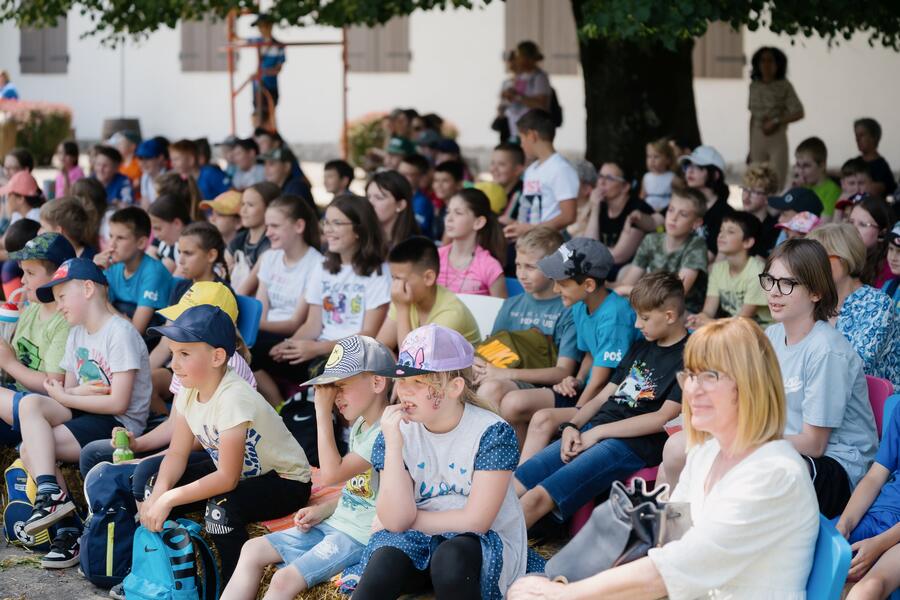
x=635 y=93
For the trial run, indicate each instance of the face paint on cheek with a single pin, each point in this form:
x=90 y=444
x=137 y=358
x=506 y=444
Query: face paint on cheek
x=436 y=397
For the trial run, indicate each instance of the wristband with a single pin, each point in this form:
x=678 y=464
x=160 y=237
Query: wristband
x=566 y=425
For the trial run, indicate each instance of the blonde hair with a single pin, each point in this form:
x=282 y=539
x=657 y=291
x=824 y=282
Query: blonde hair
x=663 y=147
x=761 y=176
x=441 y=380
x=842 y=240
x=542 y=239
x=737 y=347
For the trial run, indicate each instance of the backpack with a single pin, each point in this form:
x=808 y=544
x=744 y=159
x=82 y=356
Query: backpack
x=164 y=565
x=556 y=111
x=106 y=541
x=20 y=493
x=525 y=349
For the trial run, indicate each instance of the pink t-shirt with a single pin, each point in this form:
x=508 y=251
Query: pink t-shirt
x=75 y=173
x=474 y=279
x=237 y=364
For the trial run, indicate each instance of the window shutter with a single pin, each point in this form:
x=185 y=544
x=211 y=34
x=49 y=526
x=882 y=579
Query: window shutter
x=217 y=38
x=56 y=48
x=551 y=25
x=31 y=50
x=523 y=22
x=720 y=53
x=362 y=49
x=194 y=55
x=382 y=49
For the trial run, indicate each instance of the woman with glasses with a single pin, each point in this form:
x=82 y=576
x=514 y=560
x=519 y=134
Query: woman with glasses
x=872 y=218
x=752 y=505
x=830 y=421
x=611 y=203
x=865 y=315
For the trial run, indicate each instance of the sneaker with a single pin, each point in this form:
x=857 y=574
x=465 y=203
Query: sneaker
x=117 y=591
x=48 y=509
x=63 y=551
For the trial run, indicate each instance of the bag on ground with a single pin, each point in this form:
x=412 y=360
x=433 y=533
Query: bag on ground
x=20 y=494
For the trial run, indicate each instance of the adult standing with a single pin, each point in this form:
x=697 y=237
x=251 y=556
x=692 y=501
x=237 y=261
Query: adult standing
x=752 y=502
x=773 y=105
x=271 y=60
x=8 y=89
x=531 y=87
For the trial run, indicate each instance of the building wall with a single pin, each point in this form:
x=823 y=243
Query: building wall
x=455 y=71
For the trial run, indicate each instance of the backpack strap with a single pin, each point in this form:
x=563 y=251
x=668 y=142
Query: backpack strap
x=210 y=584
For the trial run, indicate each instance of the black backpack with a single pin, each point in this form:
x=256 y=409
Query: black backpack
x=556 y=111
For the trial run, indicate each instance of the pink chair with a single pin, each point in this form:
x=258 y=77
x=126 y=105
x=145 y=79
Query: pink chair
x=879 y=391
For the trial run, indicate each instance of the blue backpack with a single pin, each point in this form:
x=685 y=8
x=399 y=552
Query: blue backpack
x=164 y=565
x=111 y=523
x=20 y=493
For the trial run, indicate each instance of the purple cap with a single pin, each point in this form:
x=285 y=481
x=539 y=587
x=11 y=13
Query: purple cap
x=432 y=349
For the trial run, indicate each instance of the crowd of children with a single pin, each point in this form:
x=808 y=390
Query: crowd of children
x=459 y=439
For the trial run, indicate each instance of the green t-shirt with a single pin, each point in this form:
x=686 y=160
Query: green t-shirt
x=356 y=508
x=828 y=192
x=448 y=311
x=734 y=292
x=652 y=257
x=40 y=344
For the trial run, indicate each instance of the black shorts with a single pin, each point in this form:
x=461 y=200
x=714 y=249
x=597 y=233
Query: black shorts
x=87 y=427
x=560 y=401
x=831 y=483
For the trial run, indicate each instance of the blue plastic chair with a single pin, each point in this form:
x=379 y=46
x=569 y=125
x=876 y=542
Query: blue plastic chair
x=249 y=314
x=513 y=287
x=831 y=562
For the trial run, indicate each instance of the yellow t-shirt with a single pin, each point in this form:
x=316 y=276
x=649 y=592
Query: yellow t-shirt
x=269 y=445
x=735 y=292
x=448 y=311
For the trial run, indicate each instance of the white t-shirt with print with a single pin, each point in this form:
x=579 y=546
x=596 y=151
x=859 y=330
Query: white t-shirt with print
x=285 y=284
x=117 y=347
x=345 y=297
x=545 y=184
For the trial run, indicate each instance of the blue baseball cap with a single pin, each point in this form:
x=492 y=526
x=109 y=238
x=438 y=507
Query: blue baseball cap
x=52 y=247
x=149 y=149
x=202 y=323
x=446 y=146
x=74 y=268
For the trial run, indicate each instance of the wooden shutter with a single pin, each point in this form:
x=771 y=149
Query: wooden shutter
x=720 y=53
x=551 y=25
x=44 y=50
x=201 y=45
x=382 y=49
x=217 y=38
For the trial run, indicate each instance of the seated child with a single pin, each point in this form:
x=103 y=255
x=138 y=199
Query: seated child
x=169 y=215
x=733 y=288
x=107 y=385
x=249 y=172
x=416 y=297
x=812 y=163
x=69 y=171
x=68 y=216
x=224 y=213
x=870 y=521
x=759 y=183
x=892 y=286
x=119 y=191
x=23 y=197
x=677 y=250
x=604 y=330
x=656 y=185
x=338 y=175
x=19 y=233
x=538 y=307
x=799 y=225
x=507 y=167
x=451 y=519
x=621 y=429
x=250 y=242
x=252 y=454
x=446 y=182
x=328 y=537
x=152 y=157
x=416 y=169
x=793 y=202
x=139 y=285
x=855 y=179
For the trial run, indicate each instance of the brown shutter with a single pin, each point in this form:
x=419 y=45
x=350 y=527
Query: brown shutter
x=382 y=49
x=217 y=38
x=31 y=50
x=551 y=25
x=194 y=56
x=56 y=48
x=362 y=49
x=523 y=22
x=720 y=53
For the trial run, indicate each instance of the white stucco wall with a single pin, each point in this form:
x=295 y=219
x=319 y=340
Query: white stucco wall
x=455 y=71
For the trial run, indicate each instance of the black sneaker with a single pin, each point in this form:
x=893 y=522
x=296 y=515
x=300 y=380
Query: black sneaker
x=63 y=551
x=48 y=509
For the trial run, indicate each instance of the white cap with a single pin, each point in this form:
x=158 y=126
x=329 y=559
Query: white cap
x=705 y=156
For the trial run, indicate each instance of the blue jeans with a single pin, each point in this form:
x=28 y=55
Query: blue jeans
x=318 y=554
x=571 y=485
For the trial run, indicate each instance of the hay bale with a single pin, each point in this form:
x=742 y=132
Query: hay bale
x=70 y=473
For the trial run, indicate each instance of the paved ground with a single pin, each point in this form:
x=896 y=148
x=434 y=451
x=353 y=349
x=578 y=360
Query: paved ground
x=21 y=578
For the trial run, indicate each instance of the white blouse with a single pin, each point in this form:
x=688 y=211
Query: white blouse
x=753 y=536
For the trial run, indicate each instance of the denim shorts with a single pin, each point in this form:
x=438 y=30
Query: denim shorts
x=318 y=554
x=572 y=485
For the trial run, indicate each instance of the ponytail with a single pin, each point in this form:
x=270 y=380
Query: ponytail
x=209 y=238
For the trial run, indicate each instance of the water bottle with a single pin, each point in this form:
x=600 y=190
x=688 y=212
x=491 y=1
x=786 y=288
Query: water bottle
x=122 y=453
x=9 y=318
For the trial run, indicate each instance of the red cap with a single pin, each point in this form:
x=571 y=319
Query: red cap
x=22 y=183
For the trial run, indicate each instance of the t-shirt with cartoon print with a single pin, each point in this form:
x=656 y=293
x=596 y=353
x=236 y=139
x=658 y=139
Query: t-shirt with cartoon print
x=646 y=378
x=356 y=508
x=269 y=446
x=115 y=348
x=345 y=297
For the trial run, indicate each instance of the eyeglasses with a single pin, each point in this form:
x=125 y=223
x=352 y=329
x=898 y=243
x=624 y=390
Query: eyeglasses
x=752 y=192
x=706 y=379
x=862 y=224
x=611 y=178
x=785 y=285
x=335 y=224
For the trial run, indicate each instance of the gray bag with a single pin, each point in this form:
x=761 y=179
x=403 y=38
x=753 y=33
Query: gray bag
x=621 y=530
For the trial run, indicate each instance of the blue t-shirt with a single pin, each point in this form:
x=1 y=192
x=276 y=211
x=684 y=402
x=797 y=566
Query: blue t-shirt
x=119 y=190
x=888 y=456
x=424 y=212
x=212 y=182
x=524 y=311
x=895 y=296
x=149 y=286
x=607 y=333
x=9 y=92
x=270 y=57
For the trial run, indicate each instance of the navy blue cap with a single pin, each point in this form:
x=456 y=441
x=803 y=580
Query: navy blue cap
x=52 y=247
x=202 y=323
x=149 y=149
x=799 y=199
x=74 y=268
x=446 y=146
